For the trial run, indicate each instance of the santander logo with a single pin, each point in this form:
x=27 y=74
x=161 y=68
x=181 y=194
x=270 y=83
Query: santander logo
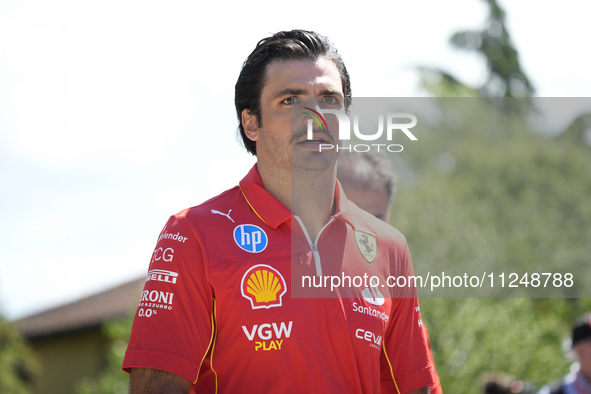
x=373 y=295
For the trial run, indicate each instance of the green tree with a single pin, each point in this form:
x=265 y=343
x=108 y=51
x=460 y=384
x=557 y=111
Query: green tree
x=519 y=336
x=505 y=77
x=18 y=364
x=112 y=380
x=485 y=189
x=490 y=194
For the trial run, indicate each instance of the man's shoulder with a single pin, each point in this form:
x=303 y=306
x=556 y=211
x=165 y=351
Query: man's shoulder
x=384 y=232
x=222 y=204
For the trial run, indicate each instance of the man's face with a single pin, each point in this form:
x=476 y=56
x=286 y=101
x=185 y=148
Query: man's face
x=282 y=139
x=583 y=351
x=374 y=200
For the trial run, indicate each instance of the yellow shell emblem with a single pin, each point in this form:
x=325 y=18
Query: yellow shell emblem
x=264 y=286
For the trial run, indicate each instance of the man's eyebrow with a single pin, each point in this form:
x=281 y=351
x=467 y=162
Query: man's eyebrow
x=304 y=92
x=291 y=92
x=329 y=92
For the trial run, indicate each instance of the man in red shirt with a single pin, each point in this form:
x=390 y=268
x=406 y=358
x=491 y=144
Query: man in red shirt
x=220 y=313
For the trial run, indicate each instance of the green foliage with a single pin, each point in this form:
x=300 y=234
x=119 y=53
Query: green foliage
x=486 y=191
x=112 y=380
x=505 y=76
x=521 y=337
x=18 y=364
x=442 y=84
x=483 y=192
x=494 y=196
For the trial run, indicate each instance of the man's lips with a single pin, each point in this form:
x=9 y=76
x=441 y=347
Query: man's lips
x=317 y=138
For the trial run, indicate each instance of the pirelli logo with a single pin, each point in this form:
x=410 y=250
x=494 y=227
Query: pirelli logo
x=162 y=276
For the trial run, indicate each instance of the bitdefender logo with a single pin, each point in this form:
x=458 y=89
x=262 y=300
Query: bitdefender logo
x=345 y=130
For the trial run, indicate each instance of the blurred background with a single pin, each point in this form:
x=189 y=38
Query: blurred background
x=116 y=114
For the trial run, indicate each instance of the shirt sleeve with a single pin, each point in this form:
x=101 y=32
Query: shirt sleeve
x=404 y=362
x=173 y=326
x=435 y=388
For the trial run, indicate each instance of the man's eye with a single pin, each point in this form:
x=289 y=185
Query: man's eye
x=330 y=100
x=290 y=100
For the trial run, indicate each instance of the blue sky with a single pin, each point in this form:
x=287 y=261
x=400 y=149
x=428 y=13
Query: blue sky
x=116 y=114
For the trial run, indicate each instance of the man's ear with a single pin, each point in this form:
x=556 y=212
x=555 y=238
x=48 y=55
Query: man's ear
x=250 y=123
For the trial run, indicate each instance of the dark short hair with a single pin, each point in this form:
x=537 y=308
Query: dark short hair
x=285 y=45
x=582 y=329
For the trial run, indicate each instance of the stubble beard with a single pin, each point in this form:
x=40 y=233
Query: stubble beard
x=303 y=160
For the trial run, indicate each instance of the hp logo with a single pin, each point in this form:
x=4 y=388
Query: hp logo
x=250 y=238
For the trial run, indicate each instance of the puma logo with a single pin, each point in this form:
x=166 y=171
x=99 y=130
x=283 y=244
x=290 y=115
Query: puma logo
x=223 y=214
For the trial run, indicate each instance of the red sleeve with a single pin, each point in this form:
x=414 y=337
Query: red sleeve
x=173 y=326
x=435 y=388
x=405 y=363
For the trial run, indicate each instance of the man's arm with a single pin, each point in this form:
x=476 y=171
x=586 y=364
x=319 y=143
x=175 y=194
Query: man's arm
x=424 y=390
x=177 y=300
x=405 y=362
x=155 y=381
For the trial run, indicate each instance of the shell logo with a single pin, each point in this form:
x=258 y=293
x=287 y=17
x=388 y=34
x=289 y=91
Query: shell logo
x=263 y=286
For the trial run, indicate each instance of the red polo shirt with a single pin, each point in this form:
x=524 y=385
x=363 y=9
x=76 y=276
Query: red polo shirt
x=218 y=309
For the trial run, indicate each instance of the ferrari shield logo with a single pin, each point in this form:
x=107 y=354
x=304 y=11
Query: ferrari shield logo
x=367 y=245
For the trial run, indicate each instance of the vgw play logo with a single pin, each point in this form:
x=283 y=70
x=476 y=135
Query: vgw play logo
x=345 y=130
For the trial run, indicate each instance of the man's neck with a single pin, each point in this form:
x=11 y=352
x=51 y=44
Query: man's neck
x=312 y=199
x=308 y=194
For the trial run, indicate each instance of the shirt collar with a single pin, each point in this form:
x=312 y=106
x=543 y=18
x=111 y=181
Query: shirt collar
x=343 y=207
x=264 y=205
x=583 y=382
x=273 y=213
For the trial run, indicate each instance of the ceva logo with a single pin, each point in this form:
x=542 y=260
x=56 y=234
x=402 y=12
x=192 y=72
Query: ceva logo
x=263 y=286
x=375 y=340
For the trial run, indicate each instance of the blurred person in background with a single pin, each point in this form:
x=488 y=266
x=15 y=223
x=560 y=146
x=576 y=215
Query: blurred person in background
x=368 y=180
x=501 y=383
x=577 y=381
